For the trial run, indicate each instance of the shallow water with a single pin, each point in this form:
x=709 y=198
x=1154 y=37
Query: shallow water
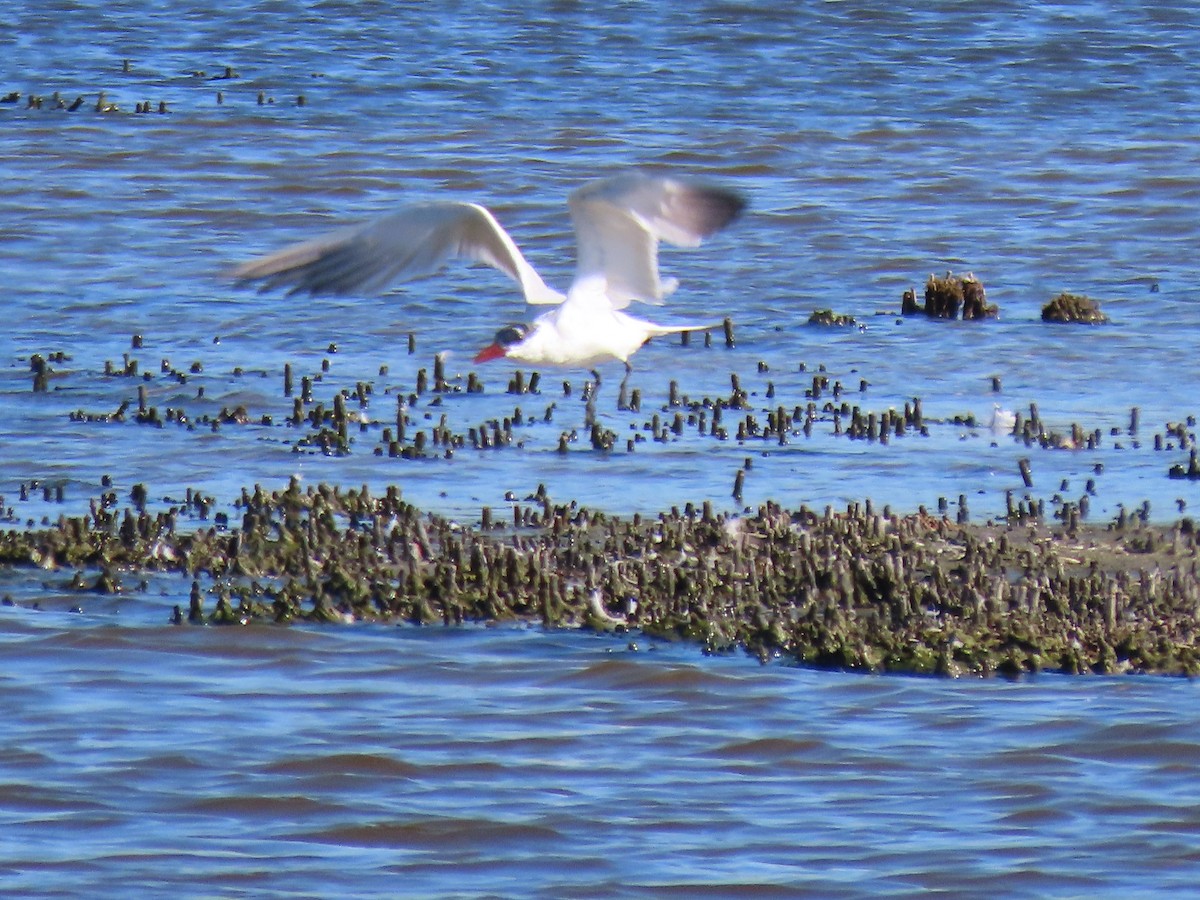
x=372 y=761
x=1043 y=150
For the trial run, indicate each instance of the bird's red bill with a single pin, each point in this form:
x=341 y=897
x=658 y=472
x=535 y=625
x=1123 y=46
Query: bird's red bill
x=492 y=351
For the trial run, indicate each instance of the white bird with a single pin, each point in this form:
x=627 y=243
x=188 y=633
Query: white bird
x=1002 y=419
x=618 y=221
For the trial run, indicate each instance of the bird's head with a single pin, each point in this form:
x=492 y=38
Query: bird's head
x=506 y=338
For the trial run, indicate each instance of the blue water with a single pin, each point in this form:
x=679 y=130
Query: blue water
x=384 y=762
x=1045 y=148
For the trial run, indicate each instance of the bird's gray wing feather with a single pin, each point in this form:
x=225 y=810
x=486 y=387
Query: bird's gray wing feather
x=620 y=220
x=414 y=241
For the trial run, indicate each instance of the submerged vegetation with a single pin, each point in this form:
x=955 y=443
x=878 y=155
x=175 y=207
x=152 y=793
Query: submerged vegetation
x=1073 y=308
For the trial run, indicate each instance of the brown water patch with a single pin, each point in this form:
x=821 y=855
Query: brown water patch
x=435 y=834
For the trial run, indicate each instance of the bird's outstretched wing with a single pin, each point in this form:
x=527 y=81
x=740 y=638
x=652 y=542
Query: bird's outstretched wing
x=620 y=220
x=416 y=240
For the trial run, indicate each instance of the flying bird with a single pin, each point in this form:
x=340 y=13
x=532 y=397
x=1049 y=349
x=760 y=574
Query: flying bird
x=618 y=221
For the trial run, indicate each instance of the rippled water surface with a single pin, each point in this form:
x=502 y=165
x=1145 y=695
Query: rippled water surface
x=378 y=762
x=1043 y=149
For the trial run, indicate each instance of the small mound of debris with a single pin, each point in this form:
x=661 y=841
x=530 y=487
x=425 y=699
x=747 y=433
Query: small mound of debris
x=945 y=296
x=1073 y=308
x=831 y=319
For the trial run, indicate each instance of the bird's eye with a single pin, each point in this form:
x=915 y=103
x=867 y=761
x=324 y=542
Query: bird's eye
x=511 y=334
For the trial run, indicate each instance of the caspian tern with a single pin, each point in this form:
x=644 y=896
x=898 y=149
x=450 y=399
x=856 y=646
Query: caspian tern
x=618 y=223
